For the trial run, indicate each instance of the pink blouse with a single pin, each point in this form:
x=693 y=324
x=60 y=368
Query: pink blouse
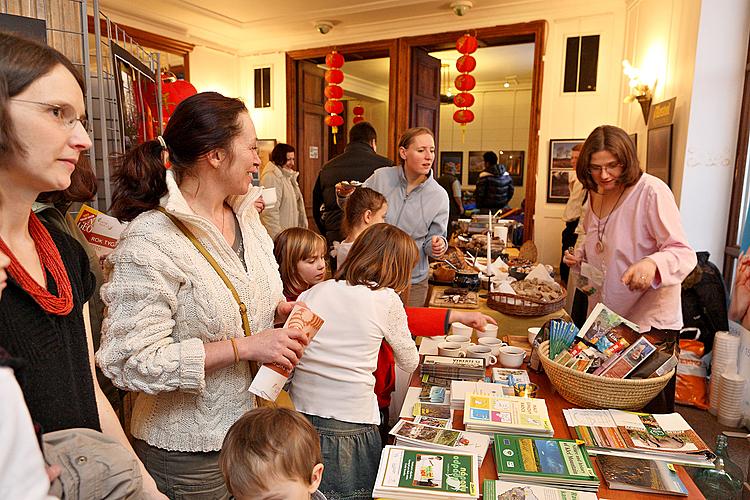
x=646 y=224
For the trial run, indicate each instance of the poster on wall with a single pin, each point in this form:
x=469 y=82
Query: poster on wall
x=659 y=153
x=451 y=162
x=136 y=96
x=476 y=165
x=513 y=161
x=560 y=170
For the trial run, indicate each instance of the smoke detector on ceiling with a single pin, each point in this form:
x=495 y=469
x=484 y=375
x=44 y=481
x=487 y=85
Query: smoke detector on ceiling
x=461 y=7
x=323 y=27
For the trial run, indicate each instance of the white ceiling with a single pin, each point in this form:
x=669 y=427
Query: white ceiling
x=254 y=26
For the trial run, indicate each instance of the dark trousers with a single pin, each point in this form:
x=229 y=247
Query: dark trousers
x=569 y=238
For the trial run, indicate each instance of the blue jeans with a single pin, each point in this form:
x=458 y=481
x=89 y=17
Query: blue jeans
x=351 y=454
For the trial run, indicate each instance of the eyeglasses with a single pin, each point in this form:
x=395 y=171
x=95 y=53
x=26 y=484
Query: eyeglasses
x=611 y=168
x=65 y=114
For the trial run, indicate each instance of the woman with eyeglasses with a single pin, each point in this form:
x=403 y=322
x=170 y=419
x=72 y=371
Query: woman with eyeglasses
x=42 y=137
x=635 y=253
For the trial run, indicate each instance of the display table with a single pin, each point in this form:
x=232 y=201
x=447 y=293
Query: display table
x=517 y=325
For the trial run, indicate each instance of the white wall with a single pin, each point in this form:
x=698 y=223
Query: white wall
x=711 y=144
x=270 y=123
x=213 y=70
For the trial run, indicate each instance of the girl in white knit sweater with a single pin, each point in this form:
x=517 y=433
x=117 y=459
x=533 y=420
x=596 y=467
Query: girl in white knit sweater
x=333 y=384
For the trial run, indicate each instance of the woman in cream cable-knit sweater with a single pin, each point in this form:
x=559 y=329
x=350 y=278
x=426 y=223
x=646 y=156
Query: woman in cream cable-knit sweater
x=173 y=331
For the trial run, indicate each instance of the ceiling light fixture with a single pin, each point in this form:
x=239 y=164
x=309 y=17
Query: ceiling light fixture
x=324 y=27
x=461 y=7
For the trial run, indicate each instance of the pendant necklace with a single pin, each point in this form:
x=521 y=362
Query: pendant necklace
x=601 y=228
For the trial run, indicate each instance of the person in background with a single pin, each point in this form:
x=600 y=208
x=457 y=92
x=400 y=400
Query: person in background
x=495 y=185
x=358 y=161
x=634 y=243
x=272 y=453
x=289 y=209
x=452 y=186
x=363 y=208
x=416 y=203
x=42 y=311
x=300 y=254
x=333 y=385
x=572 y=212
x=174 y=332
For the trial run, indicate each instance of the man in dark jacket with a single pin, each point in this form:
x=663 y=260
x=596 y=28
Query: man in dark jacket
x=356 y=163
x=494 y=186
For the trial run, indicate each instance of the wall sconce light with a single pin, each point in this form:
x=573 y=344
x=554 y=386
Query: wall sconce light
x=641 y=88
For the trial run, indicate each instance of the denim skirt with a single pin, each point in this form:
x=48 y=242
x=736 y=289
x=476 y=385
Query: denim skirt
x=351 y=454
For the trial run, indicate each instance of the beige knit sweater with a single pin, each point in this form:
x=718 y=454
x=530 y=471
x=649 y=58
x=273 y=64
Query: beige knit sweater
x=164 y=302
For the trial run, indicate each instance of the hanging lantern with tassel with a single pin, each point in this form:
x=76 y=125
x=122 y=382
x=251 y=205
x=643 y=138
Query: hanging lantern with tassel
x=359 y=112
x=333 y=92
x=466 y=45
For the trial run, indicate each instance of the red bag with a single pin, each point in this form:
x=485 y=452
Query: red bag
x=692 y=388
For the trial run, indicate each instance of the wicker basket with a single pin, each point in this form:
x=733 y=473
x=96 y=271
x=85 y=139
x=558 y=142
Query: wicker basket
x=518 y=305
x=591 y=391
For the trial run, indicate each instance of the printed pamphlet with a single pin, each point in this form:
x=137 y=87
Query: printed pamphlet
x=102 y=231
x=504 y=490
x=424 y=436
x=645 y=476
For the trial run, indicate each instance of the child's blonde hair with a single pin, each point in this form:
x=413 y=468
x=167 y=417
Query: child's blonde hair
x=267 y=444
x=359 y=202
x=291 y=246
x=381 y=257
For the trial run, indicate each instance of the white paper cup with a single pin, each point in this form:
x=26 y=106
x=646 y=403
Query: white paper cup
x=501 y=232
x=481 y=352
x=490 y=331
x=461 y=329
x=511 y=356
x=450 y=349
x=269 y=197
x=493 y=343
x=533 y=332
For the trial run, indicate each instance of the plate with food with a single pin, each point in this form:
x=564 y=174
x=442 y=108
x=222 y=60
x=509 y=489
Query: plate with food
x=457 y=298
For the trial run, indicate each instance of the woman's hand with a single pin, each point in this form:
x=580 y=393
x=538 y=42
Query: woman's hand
x=438 y=246
x=475 y=320
x=281 y=346
x=570 y=260
x=284 y=309
x=740 y=304
x=259 y=204
x=640 y=275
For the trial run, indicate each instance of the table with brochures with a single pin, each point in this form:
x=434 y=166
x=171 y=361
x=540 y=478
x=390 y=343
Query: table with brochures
x=555 y=405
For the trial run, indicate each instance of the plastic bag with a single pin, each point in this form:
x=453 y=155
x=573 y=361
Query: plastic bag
x=692 y=388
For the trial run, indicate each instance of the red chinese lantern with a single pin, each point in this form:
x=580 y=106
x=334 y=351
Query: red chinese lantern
x=358 y=111
x=173 y=92
x=333 y=106
x=466 y=44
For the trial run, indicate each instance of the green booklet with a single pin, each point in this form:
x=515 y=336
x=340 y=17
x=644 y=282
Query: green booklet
x=560 y=463
x=421 y=473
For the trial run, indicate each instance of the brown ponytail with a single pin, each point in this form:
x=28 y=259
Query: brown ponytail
x=200 y=124
x=359 y=202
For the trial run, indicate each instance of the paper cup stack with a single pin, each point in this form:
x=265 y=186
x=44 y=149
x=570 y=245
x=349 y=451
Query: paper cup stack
x=724 y=358
x=731 y=389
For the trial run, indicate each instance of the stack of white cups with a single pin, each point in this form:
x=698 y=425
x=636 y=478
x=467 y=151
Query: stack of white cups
x=723 y=358
x=731 y=389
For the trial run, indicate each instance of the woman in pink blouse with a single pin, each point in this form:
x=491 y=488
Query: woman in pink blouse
x=635 y=250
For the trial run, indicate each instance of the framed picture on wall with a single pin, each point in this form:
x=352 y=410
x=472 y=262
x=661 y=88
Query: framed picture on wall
x=659 y=153
x=513 y=161
x=560 y=169
x=452 y=162
x=476 y=165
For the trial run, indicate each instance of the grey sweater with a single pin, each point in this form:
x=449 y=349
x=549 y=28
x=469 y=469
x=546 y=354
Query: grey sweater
x=422 y=214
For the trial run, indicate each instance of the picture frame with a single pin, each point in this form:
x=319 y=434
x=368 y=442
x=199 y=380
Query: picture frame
x=136 y=98
x=513 y=161
x=559 y=169
x=454 y=158
x=476 y=165
x=659 y=153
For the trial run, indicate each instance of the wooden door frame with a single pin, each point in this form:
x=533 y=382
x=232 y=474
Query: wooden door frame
x=399 y=51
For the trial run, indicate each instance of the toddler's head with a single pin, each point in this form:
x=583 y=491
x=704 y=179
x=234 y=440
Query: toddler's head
x=363 y=208
x=271 y=453
x=381 y=257
x=301 y=257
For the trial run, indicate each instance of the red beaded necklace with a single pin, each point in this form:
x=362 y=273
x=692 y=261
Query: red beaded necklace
x=51 y=261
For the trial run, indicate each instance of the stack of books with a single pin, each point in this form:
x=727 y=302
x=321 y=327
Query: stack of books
x=504 y=490
x=508 y=414
x=436 y=438
x=420 y=474
x=557 y=463
x=666 y=437
x=460 y=388
x=453 y=368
